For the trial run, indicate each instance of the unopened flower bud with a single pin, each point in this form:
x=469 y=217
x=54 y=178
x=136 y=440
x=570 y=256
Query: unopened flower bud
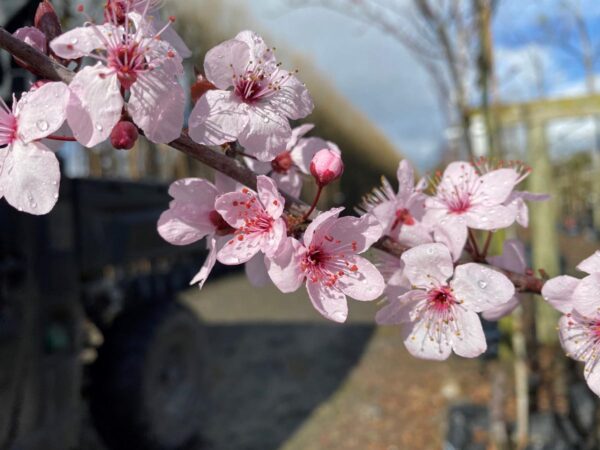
x=326 y=166
x=200 y=86
x=47 y=21
x=283 y=162
x=124 y=135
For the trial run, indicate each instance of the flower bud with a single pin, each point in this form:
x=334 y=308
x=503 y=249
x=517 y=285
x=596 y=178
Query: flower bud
x=47 y=21
x=200 y=86
x=326 y=166
x=282 y=162
x=124 y=135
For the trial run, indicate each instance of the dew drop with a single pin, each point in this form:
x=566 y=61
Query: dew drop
x=74 y=41
x=55 y=195
x=430 y=250
x=482 y=284
x=42 y=125
x=99 y=127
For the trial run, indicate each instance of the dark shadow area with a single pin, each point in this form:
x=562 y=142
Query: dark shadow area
x=264 y=380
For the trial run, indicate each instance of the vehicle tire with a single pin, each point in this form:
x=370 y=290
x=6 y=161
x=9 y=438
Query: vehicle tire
x=147 y=383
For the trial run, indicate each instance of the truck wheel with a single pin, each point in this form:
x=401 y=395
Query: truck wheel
x=147 y=383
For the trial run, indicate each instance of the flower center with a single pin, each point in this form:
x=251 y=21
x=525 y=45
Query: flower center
x=8 y=125
x=441 y=299
x=321 y=266
x=403 y=217
x=282 y=163
x=258 y=81
x=127 y=60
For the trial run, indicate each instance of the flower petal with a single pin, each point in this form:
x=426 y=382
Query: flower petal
x=82 y=41
x=292 y=99
x=30 y=177
x=269 y=196
x=330 y=302
x=586 y=296
x=320 y=225
x=156 y=105
x=558 y=292
x=302 y=153
x=297 y=133
x=428 y=265
x=591 y=264
x=42 y=111
x=32 y=36
x=365 y=283
x=175 y=226
x=266 y=132
x=470 y=343
x=502 y=310
x=360 y=232
x=289 y=182
x=256 y=271
x=202 y=275
x=95 y=105
x=284 y=266
x=452 y=232
x=420 y=344
x=225 y=60
x=480 y=288
x=496 y=186
x=240 y=248
x=494 y=217
x=512 y=258
x=406 y=180
x=397 y=310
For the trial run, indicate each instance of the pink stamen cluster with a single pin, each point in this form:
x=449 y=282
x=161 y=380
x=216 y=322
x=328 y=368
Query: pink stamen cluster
x=8 y=125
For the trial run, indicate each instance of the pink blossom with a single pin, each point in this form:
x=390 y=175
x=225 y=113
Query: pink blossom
x=516 y=201
x=326 y=166
x=440 y=316
x=192 y=216
x=327 y=260
x=287 y=167
x=130 y=61
x=513 y=259
x=465 y=199
x=257 y=108
x=257 y=220
x=401 y=213
x=580 y=337
x=29 y=171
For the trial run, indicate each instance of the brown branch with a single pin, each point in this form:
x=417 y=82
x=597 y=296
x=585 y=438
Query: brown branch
x=46 y=68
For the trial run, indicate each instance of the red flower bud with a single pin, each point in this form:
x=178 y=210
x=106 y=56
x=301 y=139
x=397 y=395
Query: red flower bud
x=47 y=21
x=200 y=86
x=124 y=135
x=326 y=166
x=282 y=162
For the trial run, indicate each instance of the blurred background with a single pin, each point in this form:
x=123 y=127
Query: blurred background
x=102 y=345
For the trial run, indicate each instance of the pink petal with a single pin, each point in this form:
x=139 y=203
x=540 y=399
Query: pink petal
x=502 y=310
x=571 y=331
x=385 y=212
x=591 y=264
x=512 y=258
x=490 y=217
x=456 y=174
x=297 y=133
x=233 y=207
x=480 y=288
x=302 y=153
x=406 y=180
x=238 y=251
x=284 y=266
x=256 y=272
x=42 y=111
x=359 y=232
x=202 y=275
x=259 y=50
x=222 y=61
x=82 y=41
x=586 y=296
x=452 y=232
x=32 y=36
x=292 y=98
x=365 y=283
x=30 y=177
x=273 y=240
x=320 y=225
x=558 y=292
x=471 y=340
x=156 y=105
x=330 y=302
x=224 y=184
x=95 y=105
x=592 y=376
x=258 y=167
x=197 y=191
x=420 y=344
x=217 y=118
x=175 y=226
x=290 y=182
x=169 y=34
x=428 y=265
x=413 y=235
x=496 y=186
x=397 y=310
x=269 y=196
x=266 y=132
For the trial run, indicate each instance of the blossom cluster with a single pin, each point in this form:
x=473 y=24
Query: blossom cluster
x=129 y=78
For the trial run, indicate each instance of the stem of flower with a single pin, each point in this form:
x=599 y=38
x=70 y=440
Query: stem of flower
x=473 y=242
x=61 y=138
x=314 y=204
x=486 y=247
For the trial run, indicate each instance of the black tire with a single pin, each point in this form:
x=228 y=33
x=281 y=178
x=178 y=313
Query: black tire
x=148 y=380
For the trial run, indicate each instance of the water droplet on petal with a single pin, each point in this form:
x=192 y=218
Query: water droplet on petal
x=74 y=40
x=99 y=127
x=42 y=125
x=482 y=284
x=265 y=119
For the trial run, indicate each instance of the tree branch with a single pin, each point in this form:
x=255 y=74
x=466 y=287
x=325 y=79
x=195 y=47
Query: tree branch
x=46 y=68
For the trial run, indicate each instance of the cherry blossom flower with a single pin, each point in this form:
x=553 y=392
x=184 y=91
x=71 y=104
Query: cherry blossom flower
x=287 y=167
x=517 y=202
x=257 y=108
x=327 y=260
x=192 y=216
x=29 y=171
x=400 y=213
x=440 y=316
x=130 y=61
x=257 y=220
x=513 y=259
x=465 y=199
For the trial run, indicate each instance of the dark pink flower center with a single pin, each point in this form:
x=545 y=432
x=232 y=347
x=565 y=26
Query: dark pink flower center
x=282 y=163
x=441 y=300
x=258 y=81
x=128 y=61
x=403 y=217
x=8 y=125
x=323 y=266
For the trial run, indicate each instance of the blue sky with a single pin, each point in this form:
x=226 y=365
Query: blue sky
x=382 y=78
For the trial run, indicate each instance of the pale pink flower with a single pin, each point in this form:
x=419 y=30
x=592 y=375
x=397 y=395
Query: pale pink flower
x=464 y=199
x=513 y=258
x=288 y=167
x=130 y=61
x=262 y=98
x=257 y=220
x=29 y=171
x=328 y=261
x=580 y=337
x=401 y=213
x=192 y=216
x=440 y=316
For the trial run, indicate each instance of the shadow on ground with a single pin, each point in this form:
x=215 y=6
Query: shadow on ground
x=264 y=380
